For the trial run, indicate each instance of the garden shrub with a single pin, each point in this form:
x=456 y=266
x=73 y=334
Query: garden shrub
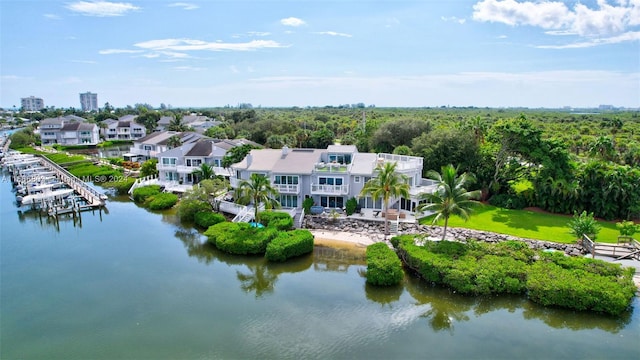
x=141 y=194
x=383 y=266
x=584 y=224
x=550 y=284
x=204 y=219
x=351 y=206
x=276 y=219
x=240 y=238
x=289 y=244
x=307 y=204
x=161 y=201
x=508 y=201
x=122 y=187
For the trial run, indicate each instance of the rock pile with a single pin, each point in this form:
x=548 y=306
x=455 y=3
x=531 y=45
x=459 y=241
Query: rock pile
x=375 y=230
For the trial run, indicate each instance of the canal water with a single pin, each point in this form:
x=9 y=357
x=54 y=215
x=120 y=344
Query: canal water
x=128 y=283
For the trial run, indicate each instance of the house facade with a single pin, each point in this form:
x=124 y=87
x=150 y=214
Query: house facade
x=124 y=128
x=149 y=146
x=68 y=130
x=182 y=163
x=330 y=176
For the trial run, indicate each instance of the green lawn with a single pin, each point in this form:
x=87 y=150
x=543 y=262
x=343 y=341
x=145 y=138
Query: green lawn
x=527 y=224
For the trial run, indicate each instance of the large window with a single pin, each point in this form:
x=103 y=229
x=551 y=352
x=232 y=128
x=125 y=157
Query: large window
x=194 y=162
x=368 y=203
x=329 y=181
x=340 y=158
x=169 y=161
x=288 y=201
x=285 y=180
x=332 y=201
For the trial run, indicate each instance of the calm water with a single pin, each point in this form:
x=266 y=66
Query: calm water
x=129 y=283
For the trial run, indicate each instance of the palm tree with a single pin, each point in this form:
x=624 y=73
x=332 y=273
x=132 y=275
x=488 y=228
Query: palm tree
x=205 y=172
x=387 y=184
x=176 y=124
x=257 y=190
x=451 y=197
x=174 y=142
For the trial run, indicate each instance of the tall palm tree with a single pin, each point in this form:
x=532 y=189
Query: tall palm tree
x=257 y=190
x=176 y=124
x=451 y=197
x=205 y=172
x=387 y=184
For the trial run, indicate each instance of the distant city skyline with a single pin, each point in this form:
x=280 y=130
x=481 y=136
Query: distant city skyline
x=483 y=53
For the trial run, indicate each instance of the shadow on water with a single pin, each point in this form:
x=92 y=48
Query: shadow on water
x=46 y=221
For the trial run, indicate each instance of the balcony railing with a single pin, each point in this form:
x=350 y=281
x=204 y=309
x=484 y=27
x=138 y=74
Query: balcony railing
x=332 y=167
x=161 y=166
x=287 y=188
x=329 y=189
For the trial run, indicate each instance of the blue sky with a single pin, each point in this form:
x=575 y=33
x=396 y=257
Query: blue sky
x=313 y=53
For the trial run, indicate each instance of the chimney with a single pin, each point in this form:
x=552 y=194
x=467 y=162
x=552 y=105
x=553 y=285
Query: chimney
x=249 y=160
x=285 y=151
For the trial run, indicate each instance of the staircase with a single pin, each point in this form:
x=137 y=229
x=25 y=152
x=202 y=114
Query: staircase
x=246 y=215
x=394 y=226
x=144 y=181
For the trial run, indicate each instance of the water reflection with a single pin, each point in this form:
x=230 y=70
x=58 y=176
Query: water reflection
x=46 y=221
x=574 y=320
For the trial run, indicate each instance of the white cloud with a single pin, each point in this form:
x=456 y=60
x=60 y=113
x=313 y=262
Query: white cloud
x=629 y=36
x=454 y=19
x=604 y=20
x=52 y=16
x=101 y=8
x=184 y=6
x=195 y=45
x=502 y=36
x=258 y=33
x=188 y=68
x=118 y=51
x=332 y=33
x=292 y=21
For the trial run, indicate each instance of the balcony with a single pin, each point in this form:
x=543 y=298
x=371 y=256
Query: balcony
x=425 y=186
x=404 y=162
x=139 y=151
x=287 y=188
x=329 y=189
x=161 y=166
x=332 y=167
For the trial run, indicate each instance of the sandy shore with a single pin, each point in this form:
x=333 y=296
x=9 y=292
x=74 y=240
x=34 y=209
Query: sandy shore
x=341 y=239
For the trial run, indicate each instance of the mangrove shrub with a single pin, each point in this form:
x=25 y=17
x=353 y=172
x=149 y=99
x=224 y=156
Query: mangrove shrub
x=290 y=244
x=383 y=266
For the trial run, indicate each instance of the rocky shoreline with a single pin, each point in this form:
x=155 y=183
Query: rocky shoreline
x=375 y=231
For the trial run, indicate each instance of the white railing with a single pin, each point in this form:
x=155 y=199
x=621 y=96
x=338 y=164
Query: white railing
x=332 y=167
x=231 y=208
x=329 y=189
x=161 y=166
x=287 y=188
x=404 y=162
x=143 y=181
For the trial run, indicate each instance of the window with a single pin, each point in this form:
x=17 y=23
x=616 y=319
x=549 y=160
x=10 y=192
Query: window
x=329 y=181
x=356 y=179
x=340 y=158
x=332 y=201
x=194 y=162
x=147 y=147
x=285 y=180
x=288 y=201
x=168 y=161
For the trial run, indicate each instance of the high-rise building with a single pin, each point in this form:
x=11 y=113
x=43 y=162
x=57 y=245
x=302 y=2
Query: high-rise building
x=89 y=101
x=32 y=103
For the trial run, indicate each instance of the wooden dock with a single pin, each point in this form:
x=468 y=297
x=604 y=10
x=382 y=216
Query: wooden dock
x=627 y=251
x=94 y=197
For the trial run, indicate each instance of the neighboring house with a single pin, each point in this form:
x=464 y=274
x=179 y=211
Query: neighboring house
x=179 y=164
x=199 y=123
x=155 y=143
x=330 y=177
x=68 y=130
x=125 y=128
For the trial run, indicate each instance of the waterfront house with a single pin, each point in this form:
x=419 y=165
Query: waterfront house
x=150 y=146
x=68 y=130
x=179 y=164
x=125 y=128
x=329 y=176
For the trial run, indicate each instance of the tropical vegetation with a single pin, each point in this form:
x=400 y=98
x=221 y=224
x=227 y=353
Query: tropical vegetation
x=383 y=266
x=387 y=184
x=258 y=192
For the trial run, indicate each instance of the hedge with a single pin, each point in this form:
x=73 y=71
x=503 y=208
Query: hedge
x=290 y=244
x=240 y=238
x=383 y=266
x=204 y=219
x=280 y=220
x=511 y=267
x=161 y=201
x=141 y=194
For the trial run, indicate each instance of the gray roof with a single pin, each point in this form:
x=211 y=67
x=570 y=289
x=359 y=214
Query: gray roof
x=78 y=126
x=73 y=118
x=342 y=149
x=157 y=137
x=363 y=163
x=51 y=121
x=295 y=161
x=128 y=118
x=201 y=148
x=165 y=120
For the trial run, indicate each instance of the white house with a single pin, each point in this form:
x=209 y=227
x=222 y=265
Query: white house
x=150 y=146
x=329 y=176
x=125 y=128
x=68 y=130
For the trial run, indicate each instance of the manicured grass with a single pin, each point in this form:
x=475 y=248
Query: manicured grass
x=526 y=224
